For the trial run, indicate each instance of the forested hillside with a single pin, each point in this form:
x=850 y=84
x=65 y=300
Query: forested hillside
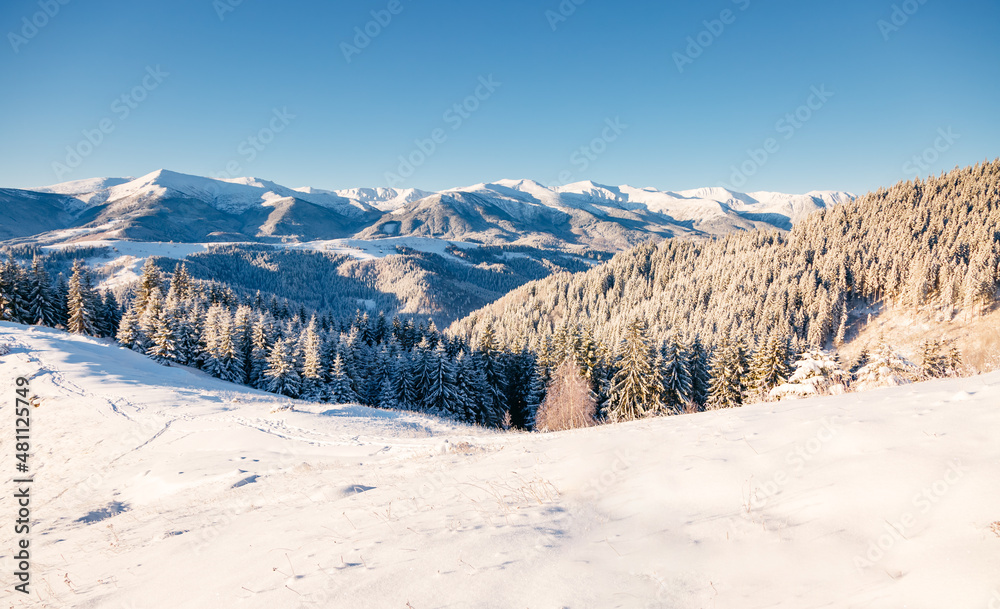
x=933 y=243
x=407 y=282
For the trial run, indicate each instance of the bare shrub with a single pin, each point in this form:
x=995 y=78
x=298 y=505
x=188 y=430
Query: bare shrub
x=569 y=403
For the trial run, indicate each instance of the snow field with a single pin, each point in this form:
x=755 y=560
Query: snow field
x=163 y=487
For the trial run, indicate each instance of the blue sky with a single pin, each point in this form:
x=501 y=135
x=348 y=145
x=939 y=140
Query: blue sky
x=268 y=89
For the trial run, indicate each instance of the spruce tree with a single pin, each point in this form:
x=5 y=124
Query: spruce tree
x=260 y=338
x=729 y=369
x=701 y=376
x=677 y=392
x=41 y=308
x=282 y=377
x=637 y=385
x=78 y=302
x=149 y=280
x=163 y=347
x=441 y=398
x=340 y=383
x=770 y=367
x=496 y=378
x=128 y=330
x=313 y=378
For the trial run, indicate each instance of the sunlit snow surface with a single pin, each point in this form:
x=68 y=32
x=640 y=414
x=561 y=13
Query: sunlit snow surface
x=160 y=487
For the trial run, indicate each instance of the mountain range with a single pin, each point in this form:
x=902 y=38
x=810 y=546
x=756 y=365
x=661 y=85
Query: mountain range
x=170 y=206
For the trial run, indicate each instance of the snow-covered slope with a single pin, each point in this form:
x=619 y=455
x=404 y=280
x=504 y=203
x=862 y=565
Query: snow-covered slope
x=160 y=487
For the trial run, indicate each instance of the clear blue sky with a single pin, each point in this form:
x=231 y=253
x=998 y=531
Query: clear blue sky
x=893 y=90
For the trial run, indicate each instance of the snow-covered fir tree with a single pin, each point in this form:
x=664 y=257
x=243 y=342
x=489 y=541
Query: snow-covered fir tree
x=729 y=376
x=281 y=375
x=677 y=392
x=638 y=384
x=817 y=372
x=79 y=302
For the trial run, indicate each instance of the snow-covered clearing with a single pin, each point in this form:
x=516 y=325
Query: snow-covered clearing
x=161 y=487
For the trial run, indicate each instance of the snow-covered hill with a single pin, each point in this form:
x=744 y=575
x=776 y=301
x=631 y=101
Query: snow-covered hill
x=161 y=487
x=170 y=206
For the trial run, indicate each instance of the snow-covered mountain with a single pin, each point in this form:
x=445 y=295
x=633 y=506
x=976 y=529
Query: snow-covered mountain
x=170 y=206
x=604 y=217
x=885 y=498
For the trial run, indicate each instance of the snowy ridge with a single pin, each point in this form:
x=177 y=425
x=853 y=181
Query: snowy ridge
x=384 y=199
x=879 y=499
x=522 y=212
x=237 y=195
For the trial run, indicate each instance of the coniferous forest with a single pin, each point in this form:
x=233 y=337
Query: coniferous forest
x=666 y=328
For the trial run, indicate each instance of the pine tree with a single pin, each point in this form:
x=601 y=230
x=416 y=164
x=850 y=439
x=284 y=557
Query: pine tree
x=729 y=369
x=536 y=395
x=637 y=385
x=149 y=280
x=340 y=383
x=181 y=286
x=41 y=308
x=78 y=303
x=496 y=379
x=260 y=338
x=112 y=313
x=393 y=391
x=128 y=330
x=701 y=377
x=243 y=342
x=469 y=383
x=420 y=372
x=886 y=368
x=282 y=377
x=163 y=346
x=769 y=367
x=148 y=316
x=935 y=364
x=817 y=372
x=677 y=393
x=13 y=284
x=61 y=301
x=441 y=398
x=313 y=379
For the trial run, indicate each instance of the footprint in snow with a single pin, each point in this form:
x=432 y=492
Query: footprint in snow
x=245 y=481
x=355 y=489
